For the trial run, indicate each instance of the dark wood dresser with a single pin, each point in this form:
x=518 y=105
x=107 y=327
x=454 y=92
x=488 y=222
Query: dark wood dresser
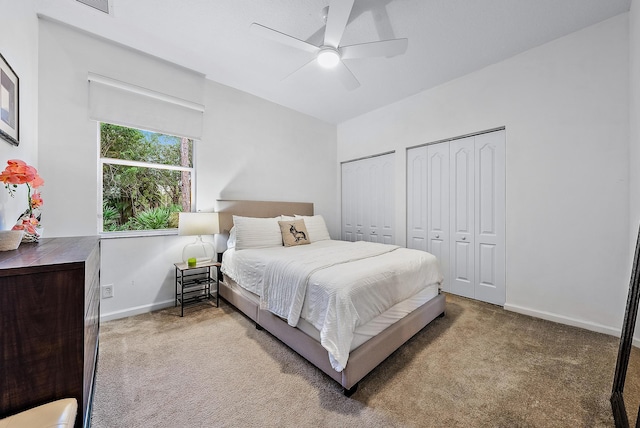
x=49 y=322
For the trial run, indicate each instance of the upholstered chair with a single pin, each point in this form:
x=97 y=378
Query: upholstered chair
x=57 y=414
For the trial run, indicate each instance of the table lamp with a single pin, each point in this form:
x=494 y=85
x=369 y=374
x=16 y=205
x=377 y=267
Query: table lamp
x=198 y=224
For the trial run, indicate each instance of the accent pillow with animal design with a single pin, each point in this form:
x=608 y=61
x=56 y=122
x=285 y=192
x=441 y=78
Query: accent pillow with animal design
x=294 y=232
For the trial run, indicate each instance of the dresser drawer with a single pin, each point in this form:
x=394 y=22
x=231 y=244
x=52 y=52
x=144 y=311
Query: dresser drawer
x=49 y=325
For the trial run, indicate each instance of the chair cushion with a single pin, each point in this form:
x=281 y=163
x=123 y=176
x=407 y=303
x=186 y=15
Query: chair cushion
x=57 y=414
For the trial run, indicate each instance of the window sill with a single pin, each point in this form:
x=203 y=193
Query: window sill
x=138 y=233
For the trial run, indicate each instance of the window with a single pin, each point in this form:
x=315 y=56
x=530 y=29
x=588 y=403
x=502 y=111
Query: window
x=147 y=178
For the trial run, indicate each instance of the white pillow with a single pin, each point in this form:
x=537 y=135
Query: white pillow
x=253 y=232
x=316 y=227
x=231 y=242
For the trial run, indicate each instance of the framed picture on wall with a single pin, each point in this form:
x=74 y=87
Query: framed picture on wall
x=9 y=103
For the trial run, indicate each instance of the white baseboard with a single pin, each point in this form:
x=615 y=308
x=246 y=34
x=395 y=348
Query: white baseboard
x=599 y=328
x=135 y=311
x=561 y=319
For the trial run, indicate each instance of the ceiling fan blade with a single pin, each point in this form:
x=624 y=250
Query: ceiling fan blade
x=308 y=64
x=316 y=38
x=345 y=76
x=340 y=71
x=382 y=48
x=382 y=21
x=282 y=38
x=339 y=11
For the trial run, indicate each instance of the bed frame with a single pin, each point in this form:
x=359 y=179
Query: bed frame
x=364 y=358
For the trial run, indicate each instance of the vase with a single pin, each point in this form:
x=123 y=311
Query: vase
x=30 y=224
x=32 y=237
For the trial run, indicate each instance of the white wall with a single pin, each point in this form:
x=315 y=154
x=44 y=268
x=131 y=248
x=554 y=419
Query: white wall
x=255 y=149
x=19 y=47
x=565 y=109
x=251 y=149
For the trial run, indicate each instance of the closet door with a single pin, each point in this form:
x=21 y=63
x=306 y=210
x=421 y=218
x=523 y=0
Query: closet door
x=368 y=199
x=456 y=211
x=383 y=209
x=490 y=217
x=462 y=184
x=360 y=199
x=428 y=203
x=374 y=199
x=348 y=202
x=417 y=198
x=438 y=206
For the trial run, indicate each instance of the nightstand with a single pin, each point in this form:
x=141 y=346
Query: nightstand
x=193 y=284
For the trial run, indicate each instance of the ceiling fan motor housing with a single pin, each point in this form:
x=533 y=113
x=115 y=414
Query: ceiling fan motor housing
x=328 y=57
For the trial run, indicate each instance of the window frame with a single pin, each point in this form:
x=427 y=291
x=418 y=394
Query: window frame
x=113 y=161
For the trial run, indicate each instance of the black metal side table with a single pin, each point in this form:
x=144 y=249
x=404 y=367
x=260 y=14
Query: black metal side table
x=193 y=283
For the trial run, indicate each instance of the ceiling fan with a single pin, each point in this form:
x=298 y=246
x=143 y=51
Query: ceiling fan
x=330 y=54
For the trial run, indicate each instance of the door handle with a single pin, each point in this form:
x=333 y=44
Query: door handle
x=464 y=238
x=437 y=236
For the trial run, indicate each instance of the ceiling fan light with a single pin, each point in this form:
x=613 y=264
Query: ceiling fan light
x=328 y=58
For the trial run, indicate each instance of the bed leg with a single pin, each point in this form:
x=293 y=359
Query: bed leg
x=350 y=392
x=259 y=327
x=441 y=315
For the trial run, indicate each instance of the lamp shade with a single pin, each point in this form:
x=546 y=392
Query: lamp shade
x=198 y=224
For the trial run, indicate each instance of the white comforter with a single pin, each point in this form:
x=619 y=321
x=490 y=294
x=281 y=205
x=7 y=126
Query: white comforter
x=338 y=286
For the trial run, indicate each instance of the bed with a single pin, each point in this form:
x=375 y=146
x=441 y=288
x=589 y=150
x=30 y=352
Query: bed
x=298 y=292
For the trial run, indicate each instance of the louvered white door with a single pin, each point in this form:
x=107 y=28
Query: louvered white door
x=373 y=200
x=348 y=202
x=490 y=217
x=361 y=199
x=462 y=184
x=385 y=188
x=368 y=199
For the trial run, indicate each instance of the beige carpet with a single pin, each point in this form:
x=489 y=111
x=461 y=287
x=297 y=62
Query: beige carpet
x=479 y=366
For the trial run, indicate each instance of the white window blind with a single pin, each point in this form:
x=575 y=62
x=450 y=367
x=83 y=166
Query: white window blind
x=121 y=103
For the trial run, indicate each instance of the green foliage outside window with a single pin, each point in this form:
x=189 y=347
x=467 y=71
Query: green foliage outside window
x=146 y=178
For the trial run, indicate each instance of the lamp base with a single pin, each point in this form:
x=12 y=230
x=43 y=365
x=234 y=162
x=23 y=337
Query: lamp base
x=199 y=250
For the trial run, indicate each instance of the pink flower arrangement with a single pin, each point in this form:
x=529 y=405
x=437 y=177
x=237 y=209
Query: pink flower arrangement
x=36 y=200
x=28 y=224
x=18 y=172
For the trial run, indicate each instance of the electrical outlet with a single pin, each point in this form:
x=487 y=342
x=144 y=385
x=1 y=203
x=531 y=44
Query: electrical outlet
x=107 y=291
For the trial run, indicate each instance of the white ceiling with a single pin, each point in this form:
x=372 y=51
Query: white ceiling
x=447 y=39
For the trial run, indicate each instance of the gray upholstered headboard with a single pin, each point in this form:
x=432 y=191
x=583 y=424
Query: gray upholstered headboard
x=227 y=208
